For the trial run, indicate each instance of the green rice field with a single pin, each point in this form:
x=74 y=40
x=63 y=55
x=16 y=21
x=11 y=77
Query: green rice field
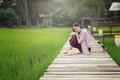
x=26 y=53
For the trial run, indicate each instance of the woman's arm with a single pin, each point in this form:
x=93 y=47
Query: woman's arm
x=82 y=37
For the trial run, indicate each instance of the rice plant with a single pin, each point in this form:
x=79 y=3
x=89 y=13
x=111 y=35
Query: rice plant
x=26 y=53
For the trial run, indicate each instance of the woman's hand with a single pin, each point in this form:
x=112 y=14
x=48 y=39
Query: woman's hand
x=73 y=33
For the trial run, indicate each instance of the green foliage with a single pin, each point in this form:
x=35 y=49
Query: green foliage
x=2 y=13
x=26 y=53
x=8 y=14
x=74 y=10
x=63 y=11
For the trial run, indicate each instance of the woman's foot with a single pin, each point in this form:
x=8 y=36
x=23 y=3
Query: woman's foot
x=65 y=52
x=71 y=52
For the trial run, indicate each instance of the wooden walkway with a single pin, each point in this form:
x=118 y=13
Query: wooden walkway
x=97 y=66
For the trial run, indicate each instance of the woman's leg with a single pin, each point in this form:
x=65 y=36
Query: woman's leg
x=70 y=48
x=74 y=43
x=80 y=48
x=89 y=49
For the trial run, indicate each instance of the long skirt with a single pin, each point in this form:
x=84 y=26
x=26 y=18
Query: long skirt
x=74 y=43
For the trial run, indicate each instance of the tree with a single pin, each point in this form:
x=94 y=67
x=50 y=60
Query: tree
x=64 y=11
x=7 y=16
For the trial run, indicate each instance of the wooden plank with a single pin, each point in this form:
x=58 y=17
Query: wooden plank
x=84 y=56
x=83 y=65
x=99 y=52
x=82 y=73
x=81 y=76
x=96 y=45
x=93 y=50
x=83 y=62
x=67 y=69
x=80 y=79
x=82 y=59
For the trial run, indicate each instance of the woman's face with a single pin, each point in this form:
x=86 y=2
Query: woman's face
x=76 y=29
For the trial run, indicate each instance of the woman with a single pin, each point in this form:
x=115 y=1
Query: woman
x=79 y=36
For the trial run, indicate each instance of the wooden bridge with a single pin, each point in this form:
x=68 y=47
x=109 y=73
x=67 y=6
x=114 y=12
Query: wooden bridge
x=97 y=66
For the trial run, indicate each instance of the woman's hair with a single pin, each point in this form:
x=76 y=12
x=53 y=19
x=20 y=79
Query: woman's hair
x=77 y=25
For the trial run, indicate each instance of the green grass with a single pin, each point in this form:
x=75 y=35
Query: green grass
x=113 y=50
x=108 y=28
x=26 y=53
